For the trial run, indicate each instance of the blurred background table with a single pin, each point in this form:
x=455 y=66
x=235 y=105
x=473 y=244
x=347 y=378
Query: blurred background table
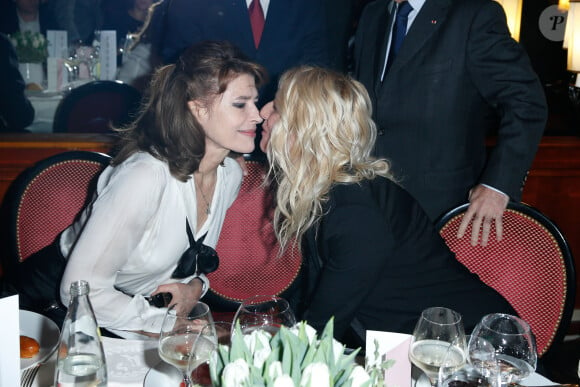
x=45 y=104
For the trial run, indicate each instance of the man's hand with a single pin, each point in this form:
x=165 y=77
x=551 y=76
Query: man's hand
x=486 y=206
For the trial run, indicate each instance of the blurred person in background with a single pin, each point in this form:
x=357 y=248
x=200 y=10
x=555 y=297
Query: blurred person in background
x=16 y=111
x=26 y=15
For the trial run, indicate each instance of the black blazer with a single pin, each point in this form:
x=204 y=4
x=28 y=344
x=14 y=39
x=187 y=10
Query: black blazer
x=9 y=18
x=457 y=77
x=383 y=262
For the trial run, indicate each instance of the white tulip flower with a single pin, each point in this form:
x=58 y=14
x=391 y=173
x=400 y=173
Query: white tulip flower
x=315 y=375
x=260 y=356
x=275 y=370
x=236 y=373
x=283 y=381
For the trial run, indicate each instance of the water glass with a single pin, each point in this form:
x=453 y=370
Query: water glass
x=514 y=344
x=268 y=313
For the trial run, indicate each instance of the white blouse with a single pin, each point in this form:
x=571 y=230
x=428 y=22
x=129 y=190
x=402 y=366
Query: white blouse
x=128 y=242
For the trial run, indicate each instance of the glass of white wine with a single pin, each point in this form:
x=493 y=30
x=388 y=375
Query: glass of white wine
x=514 y=343
x=438 y=335
x=179 y=332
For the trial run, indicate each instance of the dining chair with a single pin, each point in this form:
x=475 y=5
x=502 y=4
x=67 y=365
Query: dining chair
x=96 y=106
x=532 y=267
x=45 y=199
x=250 y=263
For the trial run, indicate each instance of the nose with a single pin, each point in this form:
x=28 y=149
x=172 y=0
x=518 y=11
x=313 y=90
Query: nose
x=257 y=115
x=266 y=110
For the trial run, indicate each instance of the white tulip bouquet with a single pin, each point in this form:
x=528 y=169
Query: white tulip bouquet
x=31 y=47
x=294 y=357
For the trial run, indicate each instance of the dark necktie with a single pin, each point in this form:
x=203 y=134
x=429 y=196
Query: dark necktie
x=256 y=20
x=399 y=30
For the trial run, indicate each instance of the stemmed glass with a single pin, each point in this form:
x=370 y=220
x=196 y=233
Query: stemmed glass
x=264 y=312
x=479 y=369
x=514 y=343
x=438 y=332
x=179 y=332
x=201 y=352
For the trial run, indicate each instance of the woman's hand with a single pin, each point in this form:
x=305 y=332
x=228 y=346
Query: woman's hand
x=185 y=295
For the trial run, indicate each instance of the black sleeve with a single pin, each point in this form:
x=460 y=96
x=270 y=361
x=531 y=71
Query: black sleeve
x=354 y=243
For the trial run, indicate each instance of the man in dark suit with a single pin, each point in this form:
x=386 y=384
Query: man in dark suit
x=457 y=77
x=16 y=111
x=294 y=32
x=37 y=17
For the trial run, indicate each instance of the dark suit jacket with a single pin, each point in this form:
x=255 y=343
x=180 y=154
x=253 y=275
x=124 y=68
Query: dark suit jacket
x=16 y=111
x=457 y=77
x=294 y=32
x=9 y=18
x=383 y=262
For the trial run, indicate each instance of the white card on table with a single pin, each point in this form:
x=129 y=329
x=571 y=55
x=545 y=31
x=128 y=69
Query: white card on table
x=56 y=74
x=57 y=43
x=383 y=346
x=10 y=348
x=108 y=55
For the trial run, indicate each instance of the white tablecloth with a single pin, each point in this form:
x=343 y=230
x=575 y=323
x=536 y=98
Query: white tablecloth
x=128 y=361
x=45 y=105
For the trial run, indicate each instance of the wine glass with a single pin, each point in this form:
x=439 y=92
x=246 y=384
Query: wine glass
x=179 y=332
x=514 y=343
x=264 y=312
x=201 y=351
x=438 y=331
x=479 y=369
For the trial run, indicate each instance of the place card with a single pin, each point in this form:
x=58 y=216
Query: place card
x=57 y=43
x=10 y=350
x=56 y=74
x=383 y=346
x=107 y=47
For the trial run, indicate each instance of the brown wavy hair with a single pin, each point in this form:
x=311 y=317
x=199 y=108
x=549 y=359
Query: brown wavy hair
x=165 y=126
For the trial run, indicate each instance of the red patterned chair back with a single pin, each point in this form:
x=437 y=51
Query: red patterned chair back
x=248 y=249
x=532 y=267
x=46 y=198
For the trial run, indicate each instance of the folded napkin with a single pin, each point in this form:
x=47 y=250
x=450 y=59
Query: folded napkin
x=10 y=353
x=383 y=346
x=128 y=361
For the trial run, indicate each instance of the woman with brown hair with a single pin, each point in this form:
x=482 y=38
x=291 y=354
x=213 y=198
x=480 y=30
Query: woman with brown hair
x=173 y=176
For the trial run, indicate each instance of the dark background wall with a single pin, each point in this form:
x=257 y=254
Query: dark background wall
x=549 y=60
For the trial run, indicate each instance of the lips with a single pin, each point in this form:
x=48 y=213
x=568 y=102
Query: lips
x=249 y=133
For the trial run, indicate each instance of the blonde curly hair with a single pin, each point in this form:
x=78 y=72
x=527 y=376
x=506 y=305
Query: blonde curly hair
x=324 y=136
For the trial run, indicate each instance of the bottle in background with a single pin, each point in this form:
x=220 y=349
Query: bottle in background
x=80 y=360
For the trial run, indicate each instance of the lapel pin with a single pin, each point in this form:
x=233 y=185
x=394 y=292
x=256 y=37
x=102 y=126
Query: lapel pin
x=433 y=21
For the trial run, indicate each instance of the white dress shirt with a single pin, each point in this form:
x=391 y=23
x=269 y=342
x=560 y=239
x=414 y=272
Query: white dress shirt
x=129 y=241
x=417 y=5
x=263 y=3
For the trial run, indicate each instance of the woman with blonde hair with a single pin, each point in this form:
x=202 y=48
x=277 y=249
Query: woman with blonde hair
x=374 y=258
